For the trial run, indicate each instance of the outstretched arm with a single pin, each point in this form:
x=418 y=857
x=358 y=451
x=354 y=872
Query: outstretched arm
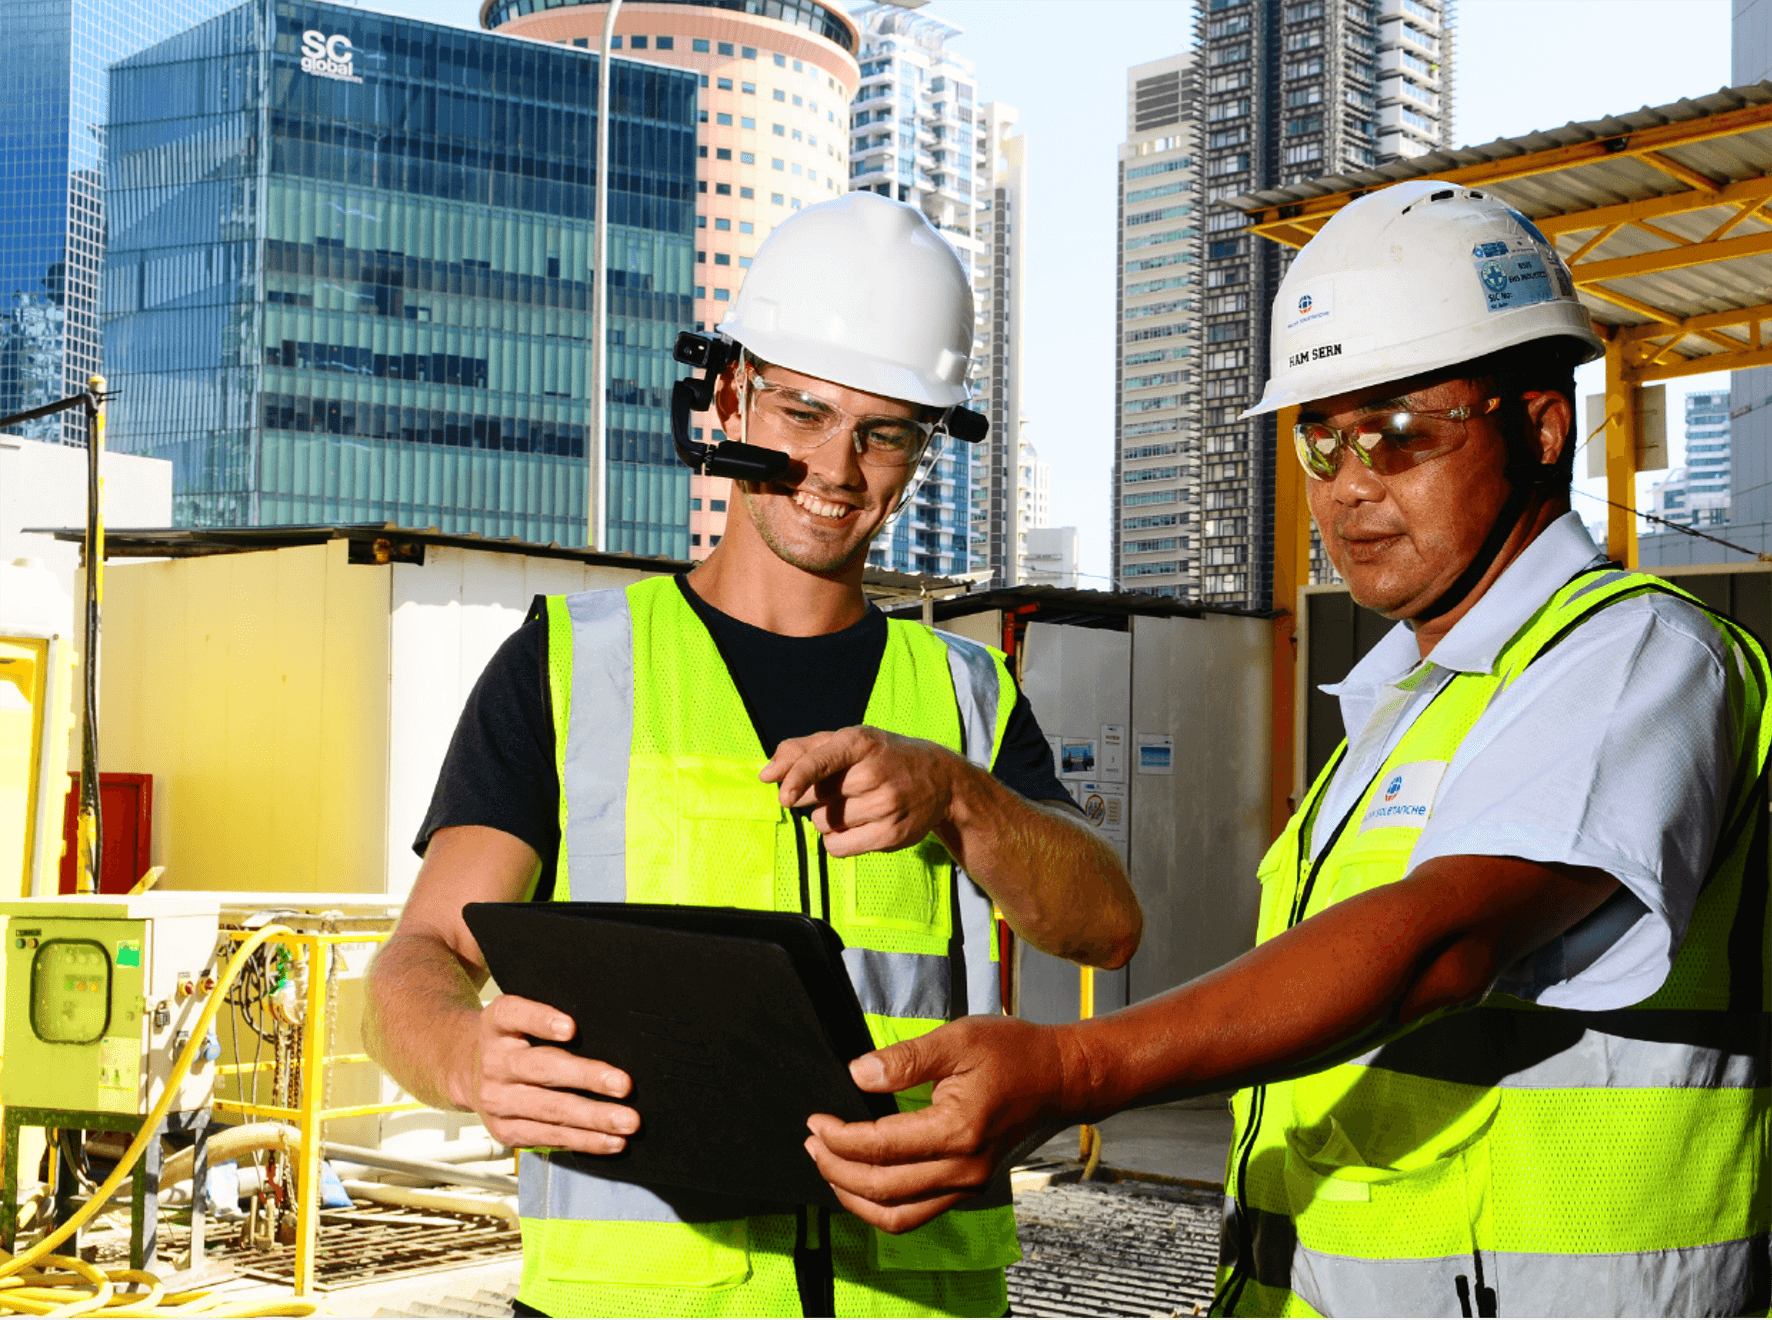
x=423 y=1021
x=1321 y=991
x=1058 y=883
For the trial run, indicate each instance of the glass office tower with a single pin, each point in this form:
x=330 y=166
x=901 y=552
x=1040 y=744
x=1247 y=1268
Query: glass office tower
x=349 y=276
x=52 y=225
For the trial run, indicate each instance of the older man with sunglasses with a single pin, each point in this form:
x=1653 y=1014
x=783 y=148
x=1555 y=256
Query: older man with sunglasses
x=754 y=734
x=1503 y=1042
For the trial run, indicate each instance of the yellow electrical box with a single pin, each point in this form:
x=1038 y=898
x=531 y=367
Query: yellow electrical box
x=102 y=991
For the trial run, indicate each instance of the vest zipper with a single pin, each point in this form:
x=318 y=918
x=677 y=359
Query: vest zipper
x=824 y=881
x=805 y=871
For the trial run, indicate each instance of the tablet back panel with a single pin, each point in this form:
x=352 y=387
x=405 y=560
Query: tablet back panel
x=728 y=1053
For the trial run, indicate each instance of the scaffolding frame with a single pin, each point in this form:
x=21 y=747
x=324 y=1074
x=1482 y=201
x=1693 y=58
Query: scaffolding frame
x=311 y=1115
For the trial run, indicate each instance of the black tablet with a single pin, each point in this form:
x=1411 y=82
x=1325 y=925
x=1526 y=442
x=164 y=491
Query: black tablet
x=735 y=1025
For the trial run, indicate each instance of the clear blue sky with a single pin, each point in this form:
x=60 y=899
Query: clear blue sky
x=1522 y=65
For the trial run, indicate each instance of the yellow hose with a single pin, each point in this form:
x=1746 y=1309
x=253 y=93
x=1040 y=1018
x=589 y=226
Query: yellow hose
x=26 y=1289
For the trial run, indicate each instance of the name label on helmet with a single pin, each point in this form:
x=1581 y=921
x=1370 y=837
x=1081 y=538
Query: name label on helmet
x=1516 y=280
x=1312 y=354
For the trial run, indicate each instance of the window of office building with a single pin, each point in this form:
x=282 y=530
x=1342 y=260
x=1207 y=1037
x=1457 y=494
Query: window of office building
x=419 y=352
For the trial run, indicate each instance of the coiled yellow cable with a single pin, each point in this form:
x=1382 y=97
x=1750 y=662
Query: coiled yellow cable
x=38 y=1282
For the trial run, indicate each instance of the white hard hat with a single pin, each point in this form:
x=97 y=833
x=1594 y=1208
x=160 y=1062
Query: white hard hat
x=861 y=291
x=1416 y=277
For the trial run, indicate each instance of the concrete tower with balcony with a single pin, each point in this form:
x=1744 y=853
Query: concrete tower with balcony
x=776 y=80
x=920 y=135
x=1290 y=90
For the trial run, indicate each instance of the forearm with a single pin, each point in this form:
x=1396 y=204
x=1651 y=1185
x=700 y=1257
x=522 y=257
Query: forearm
x=1058 y=883
x=421 y=1018
x=1331 y=987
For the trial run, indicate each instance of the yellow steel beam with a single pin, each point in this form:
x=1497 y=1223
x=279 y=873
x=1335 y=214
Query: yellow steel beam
x=1694 y=324
x=1679 y=258
x=1641 y=308
x=1640 y=143
x=1684 y=173
x=1665 y=235
x=1741 y=214
x=1292 y=570
x=1621 y=458
x=1754 y=190
x=1739 y=360
x=1599 y=237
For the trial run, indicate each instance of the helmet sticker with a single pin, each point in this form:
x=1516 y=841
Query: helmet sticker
x=1312 y=305
x=1516 y=280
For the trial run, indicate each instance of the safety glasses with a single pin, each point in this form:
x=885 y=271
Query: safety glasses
x=1387 y=442
x=801 y=422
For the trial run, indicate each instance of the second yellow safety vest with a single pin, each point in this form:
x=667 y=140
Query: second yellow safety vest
x=1510 y=1159
x=660 y=803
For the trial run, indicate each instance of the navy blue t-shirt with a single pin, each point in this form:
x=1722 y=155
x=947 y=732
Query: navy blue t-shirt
x=500 y=769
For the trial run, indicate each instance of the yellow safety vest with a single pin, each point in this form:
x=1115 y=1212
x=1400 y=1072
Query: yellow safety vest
x=660 y=803
x=1511 y=1159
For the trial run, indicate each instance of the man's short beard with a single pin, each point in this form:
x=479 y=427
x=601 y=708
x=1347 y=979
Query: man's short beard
x=791 y=555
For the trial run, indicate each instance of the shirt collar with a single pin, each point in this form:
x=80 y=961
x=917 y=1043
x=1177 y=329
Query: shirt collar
x=1560 y=552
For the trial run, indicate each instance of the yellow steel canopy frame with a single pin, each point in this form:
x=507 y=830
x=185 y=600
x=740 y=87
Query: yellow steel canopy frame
x=1678 y=279
x=1650 y=243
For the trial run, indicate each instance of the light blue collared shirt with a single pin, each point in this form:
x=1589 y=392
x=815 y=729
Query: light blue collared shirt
x=1615 y=750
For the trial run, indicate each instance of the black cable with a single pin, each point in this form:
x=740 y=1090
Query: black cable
x=1678 y=527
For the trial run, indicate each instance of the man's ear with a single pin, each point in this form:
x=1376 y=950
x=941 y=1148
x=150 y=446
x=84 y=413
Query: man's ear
x=1550 y=422
x=726 y=398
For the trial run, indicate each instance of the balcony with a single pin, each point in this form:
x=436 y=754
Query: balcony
x=1421 y=15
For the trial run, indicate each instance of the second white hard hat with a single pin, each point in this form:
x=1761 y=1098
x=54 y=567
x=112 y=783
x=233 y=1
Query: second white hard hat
x=1416 y=277
x=861 y=291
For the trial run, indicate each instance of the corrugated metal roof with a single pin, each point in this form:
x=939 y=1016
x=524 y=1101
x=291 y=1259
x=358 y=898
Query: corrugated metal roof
x=1671 y=193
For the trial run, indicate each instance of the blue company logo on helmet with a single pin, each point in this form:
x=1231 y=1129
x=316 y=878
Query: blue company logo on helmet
x=1304 y=303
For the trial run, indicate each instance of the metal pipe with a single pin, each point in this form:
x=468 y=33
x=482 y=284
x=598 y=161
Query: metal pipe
x=420 y=1198
x=442 y=1173
x=90 y=831
x=597 y=532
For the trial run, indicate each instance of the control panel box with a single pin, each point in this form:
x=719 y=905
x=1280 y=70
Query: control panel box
x=102 y=993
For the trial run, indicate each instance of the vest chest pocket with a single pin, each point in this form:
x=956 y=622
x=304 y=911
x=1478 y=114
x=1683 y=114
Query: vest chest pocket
x=906 y=891
x=706 y=831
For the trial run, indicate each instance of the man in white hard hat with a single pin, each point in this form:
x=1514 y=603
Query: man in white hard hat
x=1503 y=1043
x=754 y=734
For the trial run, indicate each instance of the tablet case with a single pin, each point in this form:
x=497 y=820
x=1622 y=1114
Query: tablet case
x=735 y=1026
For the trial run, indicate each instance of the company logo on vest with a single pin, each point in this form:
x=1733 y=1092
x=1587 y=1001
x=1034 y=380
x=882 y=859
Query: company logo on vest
x=328 y=57
x=1407 y=797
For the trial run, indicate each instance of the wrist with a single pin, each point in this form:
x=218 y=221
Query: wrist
x=968 y=793
x=1080 y=1083
x=460 y=1082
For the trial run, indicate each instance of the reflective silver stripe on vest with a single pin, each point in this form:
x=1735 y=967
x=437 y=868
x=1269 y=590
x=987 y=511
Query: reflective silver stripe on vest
x=601 y=720
x=1605 y=579
x=564 y=1185
x=976 y=689
x=910 y=985
x=1652 y=1048
x=1724 y=1278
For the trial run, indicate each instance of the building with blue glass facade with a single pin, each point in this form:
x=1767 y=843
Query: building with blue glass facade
x=349 y=276
x=52 y=223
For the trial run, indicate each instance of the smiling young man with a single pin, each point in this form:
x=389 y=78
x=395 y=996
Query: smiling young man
x=754 y=734
x=1503 y=1041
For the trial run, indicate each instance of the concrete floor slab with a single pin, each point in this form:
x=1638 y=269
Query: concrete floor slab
x=1187 y=1141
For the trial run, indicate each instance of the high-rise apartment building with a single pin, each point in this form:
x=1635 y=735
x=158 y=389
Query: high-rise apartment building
x=1697 y=495
x=53 y=94
x=1001 y=232
x=776 y=77
x=350 y=270
x=1155 y=526
x=1291 y=90
x=918 y=134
